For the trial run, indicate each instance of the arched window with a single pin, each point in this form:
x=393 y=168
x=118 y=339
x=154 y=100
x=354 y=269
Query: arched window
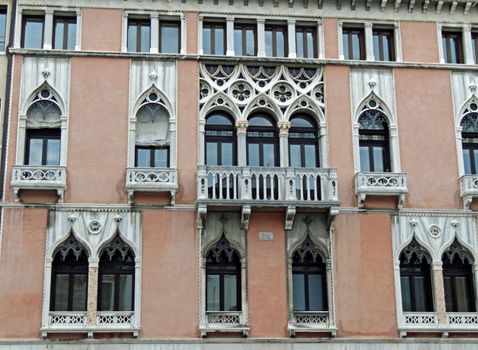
x=43 y=135
x=262 y=141
x=116 y=277
x=458 y=279
x=374 y=139
x=69 y=280
x=469 y=134
x=223 y=277
x=415 y=279
x=220 y=140
x=303 y=142
x=152 y=133
x=309 y=279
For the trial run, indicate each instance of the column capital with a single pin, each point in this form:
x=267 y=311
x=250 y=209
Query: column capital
x=261 y=20
x=284 y=127
x=241 y=126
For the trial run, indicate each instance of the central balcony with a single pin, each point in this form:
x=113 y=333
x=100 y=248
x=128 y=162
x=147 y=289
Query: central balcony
x=43 y=177
x=151 y=180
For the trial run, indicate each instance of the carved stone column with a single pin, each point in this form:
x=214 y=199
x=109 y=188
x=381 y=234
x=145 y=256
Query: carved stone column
x=91 y=306
x=475 y=281
x=439 y=291
x=241 y=129
x=244 y=317
x=284 y=143
x=330 y=300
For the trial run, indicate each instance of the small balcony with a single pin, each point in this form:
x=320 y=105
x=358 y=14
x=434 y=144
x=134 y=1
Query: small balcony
x=43 y=177
x=151 y=180
x=429 y=322
x=224 y=321
x=380 y=184
x=311 y=321
x=468 y=189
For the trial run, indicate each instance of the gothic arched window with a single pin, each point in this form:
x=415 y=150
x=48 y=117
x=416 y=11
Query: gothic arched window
x=303 y=142
x=309 y=278
x=469 y=134
x=152 y=133
x=69 y=280
x=116 y=277
x=415 y=279
x=374 y=139
x=262 y=141
x=458 y=279
x=223 y=277
x=220 y=140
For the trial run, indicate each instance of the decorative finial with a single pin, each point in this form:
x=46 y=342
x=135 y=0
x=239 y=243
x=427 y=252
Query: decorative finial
x=308 y=221
x=372 y=83
x=45 y=72
x=455 y=223
x=153 y=75
x=72 y=218
x=413 y=222
x=472 y=87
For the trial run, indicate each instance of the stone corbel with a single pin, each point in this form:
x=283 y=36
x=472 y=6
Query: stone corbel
x=130 y=196
x=245 y=216
x=401 y=200
x=289 y=217
x=202 y=211
x=361 y=200
x=60 y=193
x=467 y=201
x=333 y=212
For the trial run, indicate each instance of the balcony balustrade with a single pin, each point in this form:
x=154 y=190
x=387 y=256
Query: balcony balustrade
x=151 y=180
x=224 y=321
x=429 y=322
x=380 y=184
x=311 y=321
x=468 y=189
x=39 y=178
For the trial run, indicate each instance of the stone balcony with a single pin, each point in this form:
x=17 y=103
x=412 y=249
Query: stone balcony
x=468 y=189
x=380 y=184
x=43 y=177
x=224 y=321
x=311 y=322
x=151 y=180
x=414 y=322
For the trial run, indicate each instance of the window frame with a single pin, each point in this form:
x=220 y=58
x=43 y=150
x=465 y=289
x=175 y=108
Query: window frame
x=409 y=270
x=446 y=35
x=219 y=140
x=348 y=29
x=32 y=18
x=304 y=141
x=474 y=44
x=244 y=27
x=67 y=20
x=275 y=28
x=370 y=143
x=469 y=146
x=304 y=29
x=169 y=22
x=381 y=30
x=260 y=140
x=458 y=271
x=44 y=135
x=152 y=150
x=306 y=269
x=4 y=12
x=138 y=20
x=213 y=25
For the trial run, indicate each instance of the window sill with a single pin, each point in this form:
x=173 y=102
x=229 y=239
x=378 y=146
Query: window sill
x=380 y=184
x=39 y=178
x=311 y=322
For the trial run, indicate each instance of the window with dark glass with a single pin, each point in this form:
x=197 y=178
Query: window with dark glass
x=383 y=44
x=69 y=279
x=353 y=42
x=214 y=38
x=309 y=279
x=139 y=35
x=374 y=141
x=223 y=277
x=306 y=41
x=32 y=33
x=458 y=279
x=152 y=157
x=469 y=137
x=303 y=142
x=452 y=46
x=43 y=147
x=3 y=27
x=169 y=36
x=276 y=40
x=245 y=39
x=116 y=277
x=415 y=279
x=474 y=45
x=220 y=140
x=64 y=32
x=262 y=141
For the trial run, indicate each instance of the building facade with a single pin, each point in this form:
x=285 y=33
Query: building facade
x=241 y=174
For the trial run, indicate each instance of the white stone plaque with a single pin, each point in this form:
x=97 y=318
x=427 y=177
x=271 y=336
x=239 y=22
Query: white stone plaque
x=266 y=236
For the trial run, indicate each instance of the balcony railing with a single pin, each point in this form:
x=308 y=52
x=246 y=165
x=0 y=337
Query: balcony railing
x=380 y=184
x=428 y=322
x=224 y=321
x=261 y=185
x=151 y=180
x=468 y=189
x=115 y=319
x=39 y=177
x=311 y=321
x=67 y=319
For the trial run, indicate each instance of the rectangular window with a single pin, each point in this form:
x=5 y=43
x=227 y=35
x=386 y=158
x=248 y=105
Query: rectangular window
x=245 y=39
x=383 y=44
x=214 y=38
x=3 y=28
x=108 y=293
x=64 y=33
x=152 y=157
x=169 y=37
x=32 y=33
x=43 y=147
x=452 y=46
x=276 y=41
x=474 y=45
x=306 y=41
x=139 y=35
x=353 y=40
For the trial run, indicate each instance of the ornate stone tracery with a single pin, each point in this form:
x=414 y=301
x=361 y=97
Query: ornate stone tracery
x=414 y=249
x=72 y=245
x=457 y=250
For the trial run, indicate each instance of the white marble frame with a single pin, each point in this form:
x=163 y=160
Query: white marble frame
x=465 y=30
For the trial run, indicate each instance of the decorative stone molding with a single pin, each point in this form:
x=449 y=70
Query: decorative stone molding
x=468 y=189
x=380 y=184
x=151 y=180
x=39 y=178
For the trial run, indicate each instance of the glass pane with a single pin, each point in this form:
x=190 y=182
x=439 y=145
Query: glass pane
x=345 y=45
x=250 y=43
x=62 y=286
x=211 y=153
x=406 y=297
x=206 y=40
x=80 y=283
x=454 y=49
x=33 y=35
x=132 y=35
x=466 y=161
x=356 y=46
x=170 y=38
x=53 y=152
x=219 y=42
x=71 y=36
x=364 y=159
x=161 y=158
x=218 y=119
x=299 y=43
x=269 y=155
x=445 y=50
x=238 y=42
x=294 y=156
x=448 y=294
x=419 y=293
x=298 y=290
x=107 y=292
x=226 y=154
x=59 y=32
x=145 y=38
x=253 y=154
x=143 y=158
x=316 y=296
x=310 y=45
x=3 y=20
x=230 y=293
x=125 y=293
x=280 y=42
x=386 y=44
x=35 y=152
x=462 y=294
x=376 y=46
x=310 y=156
x=475 y=154
x=212 y=286
x=378 y=161
x=269 y=43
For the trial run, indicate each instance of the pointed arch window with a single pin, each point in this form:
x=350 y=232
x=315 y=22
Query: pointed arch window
x=309 y=279
x=415 y=279
x=223 y=277
x=262 y=141
x=221 y=141
x=69 y=282
x=374 y=139
x=469 y=134
x=152 y=133
x=458 y=279
x=116 y=277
